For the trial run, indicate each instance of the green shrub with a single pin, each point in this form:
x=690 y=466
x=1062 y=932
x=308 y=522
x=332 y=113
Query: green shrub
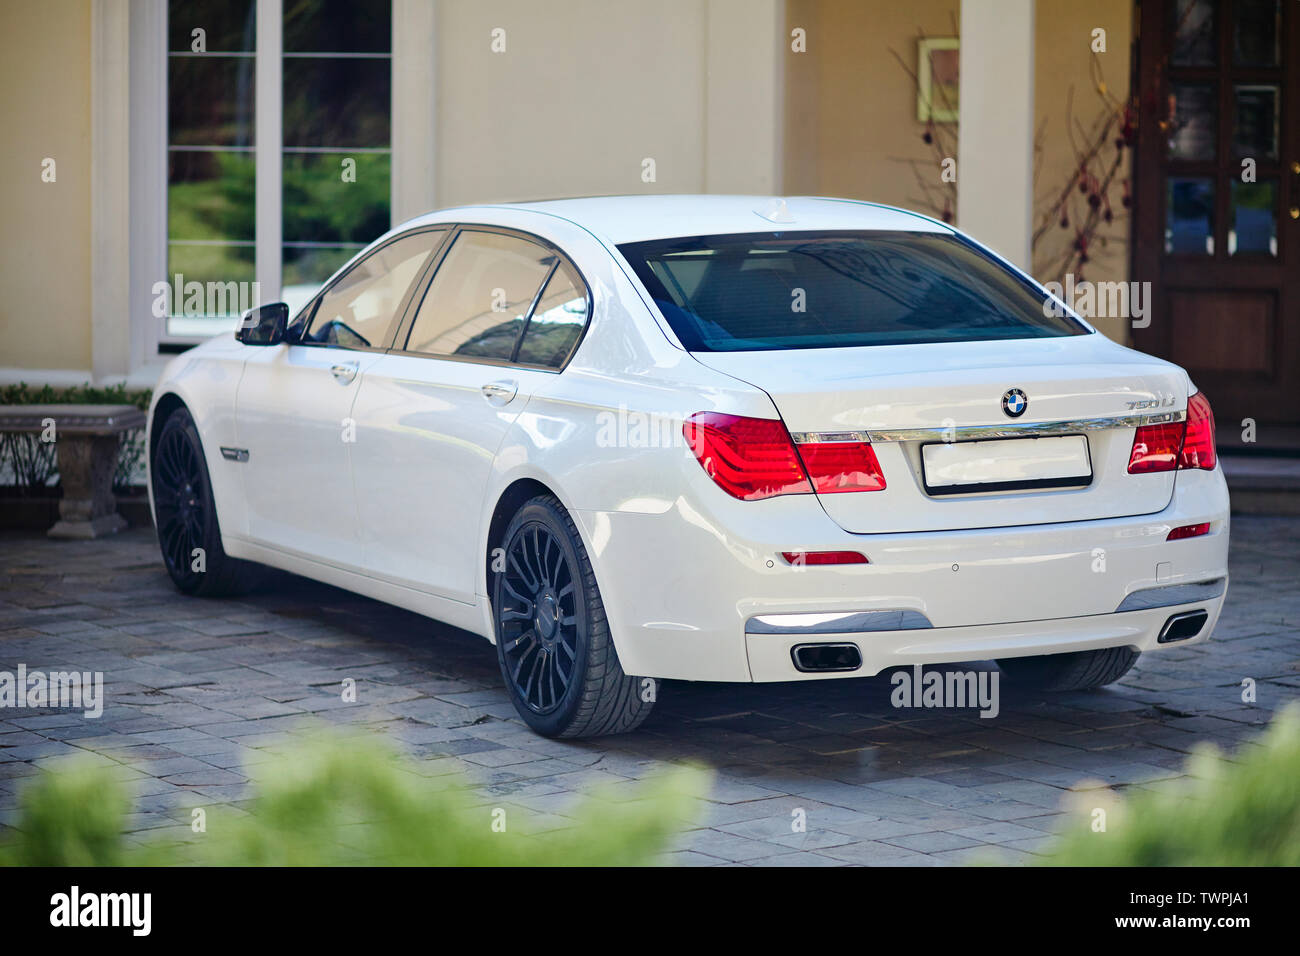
x=338 y=802
x=1242 y=813
x=86 y=394
x=70 y=819
x=30 y=464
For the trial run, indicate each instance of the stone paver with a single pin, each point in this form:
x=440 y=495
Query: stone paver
x=199 y=693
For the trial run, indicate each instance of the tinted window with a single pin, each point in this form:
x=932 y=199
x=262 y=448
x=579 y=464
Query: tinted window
x=825 y=290
x=557 y=322
x=359 y=310
x=479 y=298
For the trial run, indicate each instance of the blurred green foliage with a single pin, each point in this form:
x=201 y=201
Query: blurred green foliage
x=87 y=394
x=1229 y=813
x=347 y=801
x=320 y=206
x=72 y=818
x=29 y=465
x=211 y=197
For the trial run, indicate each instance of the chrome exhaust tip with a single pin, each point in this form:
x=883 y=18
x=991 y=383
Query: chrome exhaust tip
x=824 y=658
x=1182 y=626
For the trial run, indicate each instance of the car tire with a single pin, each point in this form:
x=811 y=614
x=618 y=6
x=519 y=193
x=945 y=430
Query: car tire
x=1081 y=670
x=185 y=515
x=553 y=642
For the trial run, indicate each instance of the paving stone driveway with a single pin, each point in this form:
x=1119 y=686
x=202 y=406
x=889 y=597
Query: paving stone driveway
x=198 y=690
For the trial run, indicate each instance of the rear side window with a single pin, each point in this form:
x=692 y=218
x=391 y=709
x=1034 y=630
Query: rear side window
x=479 y=299
x=558 y=320
x=768 y=291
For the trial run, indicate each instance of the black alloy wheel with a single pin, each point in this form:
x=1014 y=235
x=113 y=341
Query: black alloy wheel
x=185 y=514
x=539 y=618
x=553 y=640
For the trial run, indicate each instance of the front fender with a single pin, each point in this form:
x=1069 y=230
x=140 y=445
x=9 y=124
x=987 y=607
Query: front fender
x=206 y=380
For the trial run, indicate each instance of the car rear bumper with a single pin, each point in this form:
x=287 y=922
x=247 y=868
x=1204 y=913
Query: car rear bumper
x=771 y=656
x=687 y=590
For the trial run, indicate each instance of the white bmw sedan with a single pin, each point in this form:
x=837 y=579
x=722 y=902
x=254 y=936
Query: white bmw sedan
x=702 y=438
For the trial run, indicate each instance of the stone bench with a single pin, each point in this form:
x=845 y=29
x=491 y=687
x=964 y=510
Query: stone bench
x=86 y=438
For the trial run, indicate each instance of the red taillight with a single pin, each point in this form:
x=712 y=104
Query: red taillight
x=1189 y=531
x=753 y=458
x=836 y=466
x=1198 y=446
x=1155 y=448
x=748 y=458
x=1188 y=444
x=809 y=558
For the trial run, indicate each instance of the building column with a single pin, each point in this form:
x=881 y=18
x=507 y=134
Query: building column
x=148 y=182
x=110 y=206
x=414 y=108
x=744 y=52
x=995 y=138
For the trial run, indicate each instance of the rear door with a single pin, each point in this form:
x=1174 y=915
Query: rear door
x=500 y=317
x=294 y=405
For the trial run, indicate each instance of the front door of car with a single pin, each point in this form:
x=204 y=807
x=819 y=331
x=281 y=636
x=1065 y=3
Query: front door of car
x=499 y=319
x=294 y=405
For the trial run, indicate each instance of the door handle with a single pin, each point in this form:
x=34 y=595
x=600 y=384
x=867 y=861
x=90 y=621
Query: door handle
x=1295 y=186
x=344 y=372
x=500 y=393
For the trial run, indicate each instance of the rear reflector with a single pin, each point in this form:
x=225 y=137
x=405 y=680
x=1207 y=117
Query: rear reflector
x=837 y=466
x=1188 y=444
x=1189 y=531
x=806 y=558
x=748 y=458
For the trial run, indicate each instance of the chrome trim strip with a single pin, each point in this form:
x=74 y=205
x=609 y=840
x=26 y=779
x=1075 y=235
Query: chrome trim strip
x=980 y=432
x=803 y=438
x=1172 y=594
x=851 y=622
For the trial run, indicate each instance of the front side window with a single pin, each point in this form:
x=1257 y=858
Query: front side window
x=360 y=309
x=479 y=299
x=768 y=291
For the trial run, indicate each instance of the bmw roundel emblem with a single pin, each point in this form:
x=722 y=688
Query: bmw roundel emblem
x=1014 y=402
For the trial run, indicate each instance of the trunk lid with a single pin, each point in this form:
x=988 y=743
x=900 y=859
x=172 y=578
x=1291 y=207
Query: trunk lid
x=909 y=396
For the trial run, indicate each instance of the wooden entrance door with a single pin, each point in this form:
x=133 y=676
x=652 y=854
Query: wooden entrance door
x=1217 y=199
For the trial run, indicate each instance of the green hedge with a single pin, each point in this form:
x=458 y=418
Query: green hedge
x=30 y=465
x=346 y=801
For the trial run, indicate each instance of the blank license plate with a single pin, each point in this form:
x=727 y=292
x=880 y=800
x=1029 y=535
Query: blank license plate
x=1006 y=464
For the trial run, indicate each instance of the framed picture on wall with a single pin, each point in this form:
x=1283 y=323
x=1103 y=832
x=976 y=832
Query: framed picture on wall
x=937 y=60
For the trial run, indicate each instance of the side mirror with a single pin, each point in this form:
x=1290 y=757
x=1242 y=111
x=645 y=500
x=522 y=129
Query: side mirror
x=264 y=325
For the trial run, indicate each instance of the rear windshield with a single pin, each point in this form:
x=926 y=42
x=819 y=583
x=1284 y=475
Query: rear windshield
x=792 y=290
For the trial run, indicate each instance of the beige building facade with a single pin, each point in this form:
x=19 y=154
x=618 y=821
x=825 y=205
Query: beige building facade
x=491 y=100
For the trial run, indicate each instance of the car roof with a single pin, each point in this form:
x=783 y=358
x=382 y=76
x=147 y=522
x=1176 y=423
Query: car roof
x=620 y=219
